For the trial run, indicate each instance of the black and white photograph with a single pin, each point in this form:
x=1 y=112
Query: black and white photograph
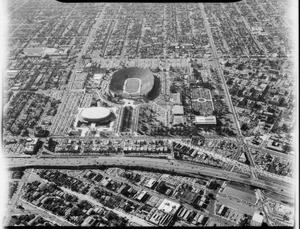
x=149 y=114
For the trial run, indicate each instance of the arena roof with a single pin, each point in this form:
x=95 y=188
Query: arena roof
x=95 y=113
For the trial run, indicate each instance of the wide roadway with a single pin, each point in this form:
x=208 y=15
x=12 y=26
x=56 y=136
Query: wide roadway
x=186 y=168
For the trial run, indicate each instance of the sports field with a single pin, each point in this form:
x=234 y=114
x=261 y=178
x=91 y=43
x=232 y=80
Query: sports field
x=132 y=85
x=132 y=81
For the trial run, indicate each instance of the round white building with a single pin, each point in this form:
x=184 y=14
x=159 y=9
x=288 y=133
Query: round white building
x=95 y=114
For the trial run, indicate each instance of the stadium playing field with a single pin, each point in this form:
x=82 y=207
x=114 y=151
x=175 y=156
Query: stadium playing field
x=132 y=85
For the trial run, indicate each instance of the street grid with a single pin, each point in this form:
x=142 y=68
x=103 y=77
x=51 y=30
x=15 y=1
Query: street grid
x=112 y=29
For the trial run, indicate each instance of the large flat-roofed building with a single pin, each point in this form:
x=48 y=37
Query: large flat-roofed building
x=151 y=183
x=257 y=219
x=165 y=212
x=31 y=146
x=42 y=51
x=179 y=119
x=275 y=145
x=161 y=218
x=34 y=51
x=169 y=207
x=61 y=51
x=142 y=196
x=177 y=110
x=89 y=221
x=176 y=97
x=11 y=74
x=99 y=73
x=205 y=120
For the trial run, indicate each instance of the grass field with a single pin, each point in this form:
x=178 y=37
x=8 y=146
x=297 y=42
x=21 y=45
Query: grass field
x=132 y=85
x=133 y=81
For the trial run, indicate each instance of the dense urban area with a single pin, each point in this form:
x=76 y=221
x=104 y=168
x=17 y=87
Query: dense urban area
x=149 y=114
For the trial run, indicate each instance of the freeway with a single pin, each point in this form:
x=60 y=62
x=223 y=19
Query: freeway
x=151 y=163
x=229 y=161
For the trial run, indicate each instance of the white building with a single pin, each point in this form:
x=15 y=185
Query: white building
x=257 y=219
x=177 y=110
x=169 y=206
x=205 y=120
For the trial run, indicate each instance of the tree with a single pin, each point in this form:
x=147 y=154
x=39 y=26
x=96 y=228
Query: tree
x=285 y=128
x=285 y=217
x=24 y=133
x=286 y=148
x=244 y=127
x=211 y=195
x=245 y=221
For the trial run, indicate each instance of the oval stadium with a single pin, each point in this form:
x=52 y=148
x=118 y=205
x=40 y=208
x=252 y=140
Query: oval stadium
x=132 y=82
x=95 y=114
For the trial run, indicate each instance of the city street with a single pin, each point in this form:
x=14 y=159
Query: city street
x=133 y=106
x=228 y=97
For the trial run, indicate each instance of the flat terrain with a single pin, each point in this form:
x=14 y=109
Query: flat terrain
x=132 y=85
x=249 y=197
x=237 y=206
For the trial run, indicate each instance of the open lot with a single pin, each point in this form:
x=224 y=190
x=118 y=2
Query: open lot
x=237 y=206
x=248 y=196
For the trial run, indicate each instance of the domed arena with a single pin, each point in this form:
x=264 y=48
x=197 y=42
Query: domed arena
x=95 y=114
x=132 y=82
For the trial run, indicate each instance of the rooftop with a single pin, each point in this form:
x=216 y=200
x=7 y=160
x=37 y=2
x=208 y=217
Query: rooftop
x=169 y=206
x=93 y=113
x=205 y=120
x=178 y=110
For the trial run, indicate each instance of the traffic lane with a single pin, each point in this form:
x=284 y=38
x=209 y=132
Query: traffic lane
x=182 y=167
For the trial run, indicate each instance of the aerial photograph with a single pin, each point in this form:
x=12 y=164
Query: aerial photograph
x=150 y=114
